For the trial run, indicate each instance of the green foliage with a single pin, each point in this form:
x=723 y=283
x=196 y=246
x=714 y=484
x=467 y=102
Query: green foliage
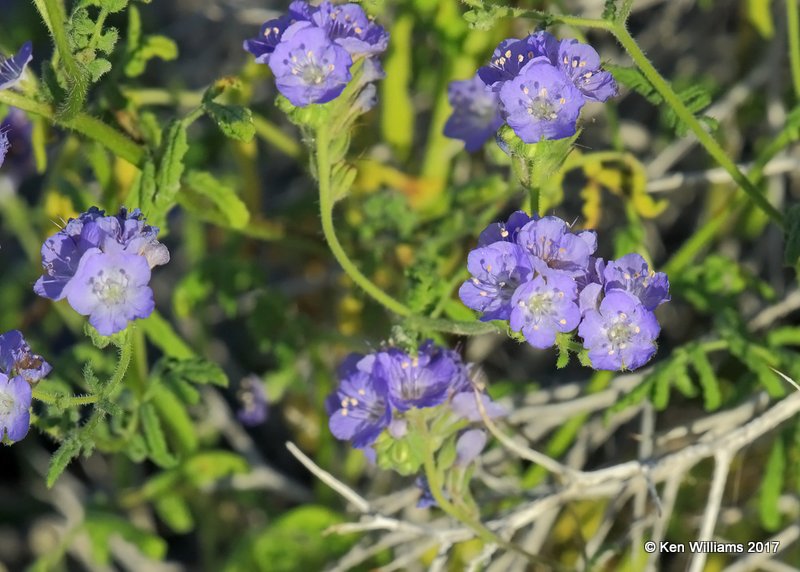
x=695 y=98
x=234 y=121
x=154 y=437
x=141 y=49
x=174 y=147
x=304 y=526
x=211 y=200
x=102 y=526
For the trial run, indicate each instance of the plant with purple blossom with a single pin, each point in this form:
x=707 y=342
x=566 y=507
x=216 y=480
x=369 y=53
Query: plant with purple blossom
x=102 y=266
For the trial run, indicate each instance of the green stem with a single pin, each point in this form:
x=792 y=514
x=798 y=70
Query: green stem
x=55 y=15
x=624 y=11
x=793 y=27
x=533 y=200
x=125 y=354
x=328 y=229
x=436 y=487
x=620 y=32
x=115 y=141
x=98 y=28
x=706 y=140
x=71 y=401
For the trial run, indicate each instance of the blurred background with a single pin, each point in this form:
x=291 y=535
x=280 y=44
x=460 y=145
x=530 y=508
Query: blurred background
x=266 y=298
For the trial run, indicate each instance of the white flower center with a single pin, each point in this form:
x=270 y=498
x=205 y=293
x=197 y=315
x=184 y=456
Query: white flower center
x=111 y=287
x=6 y=404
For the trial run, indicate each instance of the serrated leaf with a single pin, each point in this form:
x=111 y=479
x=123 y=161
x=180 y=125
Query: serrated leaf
x=194 y=370
x=150 y=47
x=563 y=344
x=107 y=40
x=154 y=437
x=695 y=98
x=772 y=486
x=223 y=198
x=98 y=68
x=175 y=419
x=234 y=121
x=633 y=79
x=113 y=6
x=68 y=450
x=170 y=169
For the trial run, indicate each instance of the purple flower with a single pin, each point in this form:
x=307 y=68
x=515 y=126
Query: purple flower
x=253 y=400
x=465 y=406
x=4 y=144
x=497 y=270
x=15 y=403
x=17 y=359
x=631 y=274
x=308 y=66
x=512 y=55
x=550 y=240
x=272 y=31
x=582 y=64
x=11 y=69
x=348 y=26
x=427 y=379
x=590 y=297
x=128 y=232
x=359 y=409
x=476 y=113
x=125 y=233
x=620 y=334
x=541 y=102
x=426 y=499
x=505 y=231
x=545 y=306
x=268 y=37
x=62 y=252
x=16 y=131
x=469 y=445
x=111 y=288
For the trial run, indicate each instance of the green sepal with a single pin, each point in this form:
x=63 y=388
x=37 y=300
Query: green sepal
x=405 y=455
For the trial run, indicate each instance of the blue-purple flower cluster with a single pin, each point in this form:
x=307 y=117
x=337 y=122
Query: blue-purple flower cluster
x=11 y=70
x=537 y=85
x=101 y=265
x=376 y=390
x=545 y=280
x=311 y=49
x=20 y=368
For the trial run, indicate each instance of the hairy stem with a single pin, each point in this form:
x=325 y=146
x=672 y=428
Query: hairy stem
x=328 y=229
x=435 y=485
x=620 y=32
x=125 y=354
x=70 y=401
x=115 y=141
x=706 y=140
